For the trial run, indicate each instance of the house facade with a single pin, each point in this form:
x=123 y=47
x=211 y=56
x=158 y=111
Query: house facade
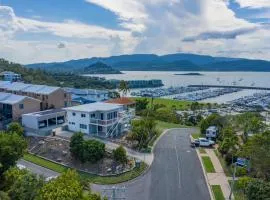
x=10 y=76
x=98 y=119
x=50 y=97
x=13 y=106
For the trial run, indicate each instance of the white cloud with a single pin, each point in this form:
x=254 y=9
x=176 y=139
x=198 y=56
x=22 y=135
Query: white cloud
x=254 y=3
x=152 y=26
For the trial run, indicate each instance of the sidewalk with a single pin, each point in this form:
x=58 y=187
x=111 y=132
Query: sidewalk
x=219 y=177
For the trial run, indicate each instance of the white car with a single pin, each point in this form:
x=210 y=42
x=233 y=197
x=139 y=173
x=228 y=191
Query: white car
x=20 y=166
x=50 y=178
x=203 y=142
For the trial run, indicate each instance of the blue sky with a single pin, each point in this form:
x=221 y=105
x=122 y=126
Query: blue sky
x=56 y=30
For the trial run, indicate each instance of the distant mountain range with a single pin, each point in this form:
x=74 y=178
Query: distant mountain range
x=152 y=62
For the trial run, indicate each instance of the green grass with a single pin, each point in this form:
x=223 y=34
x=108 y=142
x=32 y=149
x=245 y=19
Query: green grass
x=91 y=178
x=45 y=163
x=196 y=135
x=218 y=194
x=227 y=169
x=169 y=103
x=202 y=150
x=208 y=165
x=237 y=193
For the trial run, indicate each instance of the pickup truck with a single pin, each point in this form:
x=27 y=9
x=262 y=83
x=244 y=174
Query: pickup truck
x=202 y=142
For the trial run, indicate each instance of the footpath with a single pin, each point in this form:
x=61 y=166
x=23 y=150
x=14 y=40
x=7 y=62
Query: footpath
x=218 y=177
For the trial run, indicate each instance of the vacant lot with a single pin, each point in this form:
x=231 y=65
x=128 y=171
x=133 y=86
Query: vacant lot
x=57 y=150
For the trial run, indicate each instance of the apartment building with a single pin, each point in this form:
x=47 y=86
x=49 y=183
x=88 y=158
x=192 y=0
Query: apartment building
x=50 y=97
x=98 y=119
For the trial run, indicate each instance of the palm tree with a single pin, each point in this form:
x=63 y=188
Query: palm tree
x=123 y=87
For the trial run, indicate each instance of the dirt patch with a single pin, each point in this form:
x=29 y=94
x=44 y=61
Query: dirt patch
x=57 y=150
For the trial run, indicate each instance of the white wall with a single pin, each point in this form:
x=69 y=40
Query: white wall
x=75 y=121
x=30 y=121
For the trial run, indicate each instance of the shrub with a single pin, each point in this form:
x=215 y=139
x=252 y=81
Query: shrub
x=243 y=182
x=240 y=171
x=120 y=154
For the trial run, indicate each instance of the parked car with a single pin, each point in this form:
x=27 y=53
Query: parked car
x=202 y=142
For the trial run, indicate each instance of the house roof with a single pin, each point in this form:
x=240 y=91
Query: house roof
x=92 y=107
x=18 y=86
x=11 y=99
x=122 y=101
x=85 y=92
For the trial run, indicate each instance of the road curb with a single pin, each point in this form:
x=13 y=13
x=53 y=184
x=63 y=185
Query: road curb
x=204 y=173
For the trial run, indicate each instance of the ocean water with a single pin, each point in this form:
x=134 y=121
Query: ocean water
x=260 y=79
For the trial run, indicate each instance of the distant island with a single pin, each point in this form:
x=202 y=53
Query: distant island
x=100 y=68
x=190 y=74
x=151 y=62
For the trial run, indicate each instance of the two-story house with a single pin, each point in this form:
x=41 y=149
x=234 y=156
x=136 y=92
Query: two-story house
x=97 y=119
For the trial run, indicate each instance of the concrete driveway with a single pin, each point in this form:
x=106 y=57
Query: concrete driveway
x=175 y=173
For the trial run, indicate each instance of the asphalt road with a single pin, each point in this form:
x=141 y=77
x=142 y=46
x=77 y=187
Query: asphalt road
x=175 y=174
x=36 y=169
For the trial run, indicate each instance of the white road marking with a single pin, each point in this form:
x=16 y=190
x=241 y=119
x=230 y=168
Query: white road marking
x=178 y=166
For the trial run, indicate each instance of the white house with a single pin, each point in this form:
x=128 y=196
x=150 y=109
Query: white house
x=10 y=76
x=211 y=132
x=99 y=119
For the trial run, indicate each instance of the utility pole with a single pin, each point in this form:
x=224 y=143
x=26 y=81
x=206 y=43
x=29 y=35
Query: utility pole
x=232 y=184
x=115 y=193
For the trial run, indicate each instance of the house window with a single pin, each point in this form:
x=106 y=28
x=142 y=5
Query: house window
x=83 y=115
x=21 y=106
x=83 y=126
x=93 y=115
x=73 y=114
x=73 y=123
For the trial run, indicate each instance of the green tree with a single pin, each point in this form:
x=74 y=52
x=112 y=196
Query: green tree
x=93 y=151
x=12 y=147
x=76 y=145
x=15 y=127
x=123 y=87
x=258 y=190
x=257 y=149
x=4 y=195
x=67 y=186
x=21 y=184
x=212 y=120
x=120 y=155
x=141 y=104
x=143 y=130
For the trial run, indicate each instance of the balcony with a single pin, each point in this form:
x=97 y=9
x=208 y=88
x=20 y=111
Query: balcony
x=103 y=122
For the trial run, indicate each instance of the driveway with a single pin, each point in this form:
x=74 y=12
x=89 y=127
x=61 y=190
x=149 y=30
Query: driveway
x=36 y=169
x=175 y=173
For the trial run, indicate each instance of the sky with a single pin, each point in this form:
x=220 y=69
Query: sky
x=57 y=30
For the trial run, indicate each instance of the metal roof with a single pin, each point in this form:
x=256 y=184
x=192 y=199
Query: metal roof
x=85 y=91
x=46 y=112
x=93 y=107
x=18 y=86
x=7 y=98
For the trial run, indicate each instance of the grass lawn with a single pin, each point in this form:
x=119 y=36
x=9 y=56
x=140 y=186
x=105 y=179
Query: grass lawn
x=179 y=105
x=197 y=135
x=202 y=150
x=227 y=169
x=91 y=178
x=208 y=165
x=217 y=192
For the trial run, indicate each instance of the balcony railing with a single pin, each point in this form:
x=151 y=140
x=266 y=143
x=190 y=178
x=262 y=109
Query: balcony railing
x=103 y=122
